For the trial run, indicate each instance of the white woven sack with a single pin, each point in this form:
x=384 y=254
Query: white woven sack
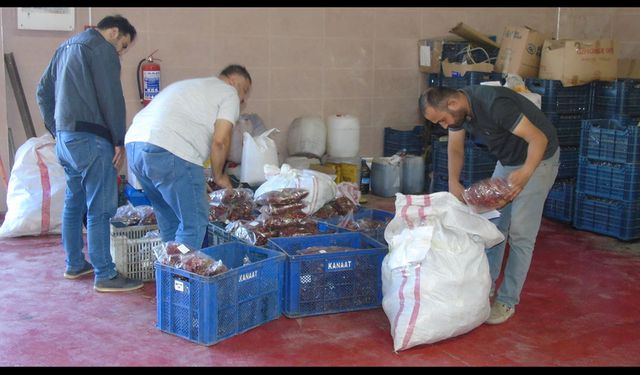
x=35 y=195
x=435 y=279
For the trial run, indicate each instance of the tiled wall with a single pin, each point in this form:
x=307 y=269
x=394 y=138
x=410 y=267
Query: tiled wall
x=303 y=61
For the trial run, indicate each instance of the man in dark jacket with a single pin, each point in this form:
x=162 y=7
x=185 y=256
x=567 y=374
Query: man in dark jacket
x=82 y=104
x=525 y=143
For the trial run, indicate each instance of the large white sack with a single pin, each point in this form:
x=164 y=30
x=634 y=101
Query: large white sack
x=321 y=187
x=257 y=152
x=435 y=278
x=35 y=195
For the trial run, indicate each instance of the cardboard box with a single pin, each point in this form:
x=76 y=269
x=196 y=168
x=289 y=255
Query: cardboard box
x=578 y=62
x=458 y=70
x=430 y=53
x=470 y=34
x=520 y=50
x=629 y=68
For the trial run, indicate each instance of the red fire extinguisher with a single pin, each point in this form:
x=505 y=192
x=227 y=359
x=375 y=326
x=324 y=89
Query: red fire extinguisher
x=148 y=78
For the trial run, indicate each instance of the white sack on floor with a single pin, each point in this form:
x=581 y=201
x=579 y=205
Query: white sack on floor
x=35 y=196
x=435 y=278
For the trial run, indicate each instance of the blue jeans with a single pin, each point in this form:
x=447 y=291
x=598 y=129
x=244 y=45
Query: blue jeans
x=519 y=222
x=176 y=189
x=91 y=188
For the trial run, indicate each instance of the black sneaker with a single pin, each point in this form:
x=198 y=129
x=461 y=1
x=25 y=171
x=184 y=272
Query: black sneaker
x=87 y=269
x=117 y=284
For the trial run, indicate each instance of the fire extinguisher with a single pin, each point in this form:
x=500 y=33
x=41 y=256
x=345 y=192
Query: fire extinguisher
x=148 y=76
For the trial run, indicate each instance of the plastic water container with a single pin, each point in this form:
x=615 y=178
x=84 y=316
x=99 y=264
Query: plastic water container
x=386 y=176
x=343 y=136
x=412 y=175
x=307 y=136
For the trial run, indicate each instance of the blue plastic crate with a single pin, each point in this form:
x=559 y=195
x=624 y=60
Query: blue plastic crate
x=609 y=180
x=567 y=127
x=330 y=283
x=207 y=310
x=559 y=99
x=618 y=219
x=216 y=234
x=559 y=202
x=441 y=179
x=616 y=140
x=468 y=79
x=135 y=196
x=412 y=141
x=440 y=183
x=621 y=97
x=478 y=162
x=433 y=80
x=568 y=162
x=368 y=213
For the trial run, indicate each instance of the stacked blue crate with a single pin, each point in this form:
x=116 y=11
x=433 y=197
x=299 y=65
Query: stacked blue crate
x=478 y=164
x=412 y=141
x=608 y=185
x=561 y=193
x=468 y=79
x=621 y=97
x=565 y=107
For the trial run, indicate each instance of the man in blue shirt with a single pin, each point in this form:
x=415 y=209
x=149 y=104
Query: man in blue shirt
x=82 y=104
x=525 y=143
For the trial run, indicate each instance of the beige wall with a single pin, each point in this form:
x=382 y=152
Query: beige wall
x=304 y=61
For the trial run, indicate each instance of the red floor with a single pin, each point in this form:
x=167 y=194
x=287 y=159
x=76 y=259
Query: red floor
x=580 y=307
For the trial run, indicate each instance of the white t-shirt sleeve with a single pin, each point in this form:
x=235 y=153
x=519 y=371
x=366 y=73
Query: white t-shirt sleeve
x=229 y=109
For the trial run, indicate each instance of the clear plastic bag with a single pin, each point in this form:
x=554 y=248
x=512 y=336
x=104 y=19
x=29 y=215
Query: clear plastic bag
x=487 y=194
x=127 y=215
x=181 y=256
x=282 y=197
x=231 y=204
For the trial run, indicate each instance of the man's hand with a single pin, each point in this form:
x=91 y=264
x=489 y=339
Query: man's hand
x=456 y=188
x=118 y=157
x=223 y=181
x=517 y=181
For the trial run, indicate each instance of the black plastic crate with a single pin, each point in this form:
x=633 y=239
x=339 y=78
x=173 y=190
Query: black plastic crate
x=618 y=219
x=621 y=97
x=615 y=140
x=559 y=202
x=559 y=99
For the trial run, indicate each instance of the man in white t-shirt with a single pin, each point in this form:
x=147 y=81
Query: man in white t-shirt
x=169 y=141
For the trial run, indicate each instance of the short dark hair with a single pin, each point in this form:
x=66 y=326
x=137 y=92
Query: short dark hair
x=120 y=22
x=236 y=69
x=435 y=97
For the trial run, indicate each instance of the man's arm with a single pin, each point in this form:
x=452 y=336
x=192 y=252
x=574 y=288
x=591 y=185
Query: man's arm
x=537 y=141
x=45 y=96
x=219 y=152
x=455 y=160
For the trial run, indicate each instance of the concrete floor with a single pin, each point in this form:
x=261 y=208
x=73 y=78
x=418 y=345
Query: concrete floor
x=579 y=307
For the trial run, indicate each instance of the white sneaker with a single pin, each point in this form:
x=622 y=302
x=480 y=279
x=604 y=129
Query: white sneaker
x=500 y=313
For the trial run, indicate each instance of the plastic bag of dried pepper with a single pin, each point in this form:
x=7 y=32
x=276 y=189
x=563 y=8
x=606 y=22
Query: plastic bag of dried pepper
x=487 y=194
x=320 y=186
